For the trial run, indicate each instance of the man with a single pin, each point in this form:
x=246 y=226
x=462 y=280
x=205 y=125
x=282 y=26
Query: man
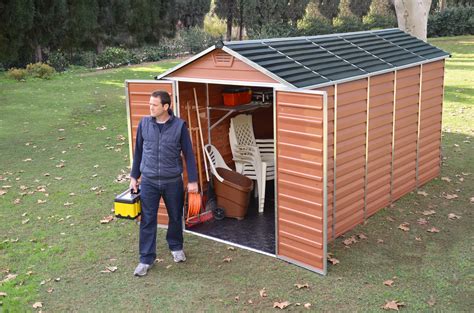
x=161 y=137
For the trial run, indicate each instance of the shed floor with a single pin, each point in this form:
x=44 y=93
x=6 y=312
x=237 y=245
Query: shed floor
x=255 y=231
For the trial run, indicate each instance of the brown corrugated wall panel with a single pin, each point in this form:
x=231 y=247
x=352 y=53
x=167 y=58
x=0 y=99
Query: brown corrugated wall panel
x=406 y=131
x=430 y=121
x=138 y=102
x=300 y=174
x=379 y=142
x=330 y=179
x=350 y=141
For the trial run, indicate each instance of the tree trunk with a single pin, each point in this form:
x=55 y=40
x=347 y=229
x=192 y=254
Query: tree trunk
x=38 y=54
x=230 y=19
x=412 y=16
x=100 y=46
x=442 y=5
x=241 y=19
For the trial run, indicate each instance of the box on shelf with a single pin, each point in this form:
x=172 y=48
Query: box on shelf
x=237 y=96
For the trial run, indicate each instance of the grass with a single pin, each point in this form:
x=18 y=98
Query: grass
x=59 y=122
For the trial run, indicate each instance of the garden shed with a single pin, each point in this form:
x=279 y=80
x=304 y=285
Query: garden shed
x=356 y=123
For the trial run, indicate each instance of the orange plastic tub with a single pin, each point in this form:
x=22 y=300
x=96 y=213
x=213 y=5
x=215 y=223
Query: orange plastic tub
x=237 y=96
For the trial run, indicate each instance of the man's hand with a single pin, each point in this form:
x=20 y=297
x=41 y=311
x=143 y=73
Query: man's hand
x=134 y=184
x=193 y=187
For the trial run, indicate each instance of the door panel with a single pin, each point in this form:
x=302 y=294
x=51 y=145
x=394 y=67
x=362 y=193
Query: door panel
x=301 y=158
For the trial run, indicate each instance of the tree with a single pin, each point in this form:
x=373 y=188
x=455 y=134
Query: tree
x=360 y=7
x=16 y=18
x=191 y=13
x=412 y=16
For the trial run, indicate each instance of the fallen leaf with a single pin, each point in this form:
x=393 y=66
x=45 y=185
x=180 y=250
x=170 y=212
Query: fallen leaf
x=72 y=194
x=362 y=236
x=68 y=203
x=57 y=279
x=58 y=178
x=37 y=305
x=237 y=298
x=349 y=241
x=472 y=199
x=423 y=193
x=101 y=128
x=25 y=221
x=231 y=248
x=307 y=305
x=168 y=266
x=388 y=283
x=422 y=221
x=300 y=286
x=392 y=305
x=3 y=294
x=333 y=261
x=228 y=260
x=433 y=230
x=263 y=293
x=250 y=301
x=431 y=301
x=379 y=240
x=450 y=197
x=27 y=160
x=453 y=216
x=41 y=201
x=390 y=219
x=2 y=192
x=107 y=219
x=447 y=179
x=428 y=212
x=50 y=290
x=8 y=278
x=109 y=269
x=404 y=226
x=418 y=238
x=281 y=305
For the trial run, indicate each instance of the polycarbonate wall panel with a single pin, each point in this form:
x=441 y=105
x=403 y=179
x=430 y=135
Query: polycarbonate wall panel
x=406 y=131
x=430 y=121
x=300 y=174
x=379 y=142
x=350 y=138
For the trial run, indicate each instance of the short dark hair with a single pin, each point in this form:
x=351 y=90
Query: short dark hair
x=163 y=95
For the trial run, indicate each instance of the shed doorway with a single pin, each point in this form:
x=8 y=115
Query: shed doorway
x=256 y=230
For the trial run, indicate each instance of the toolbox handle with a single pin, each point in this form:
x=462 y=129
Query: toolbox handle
x=135 y=193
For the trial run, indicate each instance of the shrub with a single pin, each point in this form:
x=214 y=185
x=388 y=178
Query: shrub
x=113 y=57
x=84 y=58
x=277 y=30
x=18 y=74
x=372 y=21
x=453 y=21
x=344 y=24
x=58 y=60
x=214 y=26
x=196 y=39
x=172 y=47
x=40 y=70
x=315 y=26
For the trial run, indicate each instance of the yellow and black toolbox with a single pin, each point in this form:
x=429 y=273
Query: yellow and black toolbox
x=127 y=204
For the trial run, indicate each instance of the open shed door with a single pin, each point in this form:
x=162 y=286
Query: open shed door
x=138 y=94
x=301 y=182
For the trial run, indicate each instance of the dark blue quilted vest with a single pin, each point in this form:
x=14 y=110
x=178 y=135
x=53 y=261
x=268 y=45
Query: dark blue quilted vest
x=161 y=158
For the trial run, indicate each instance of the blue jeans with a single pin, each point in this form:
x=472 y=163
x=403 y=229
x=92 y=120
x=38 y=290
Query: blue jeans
x=150 y=195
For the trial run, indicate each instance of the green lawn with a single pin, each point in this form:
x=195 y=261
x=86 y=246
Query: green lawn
x=61 y=141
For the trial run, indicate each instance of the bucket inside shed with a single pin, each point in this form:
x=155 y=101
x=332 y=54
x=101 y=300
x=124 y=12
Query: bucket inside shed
x=255 y=231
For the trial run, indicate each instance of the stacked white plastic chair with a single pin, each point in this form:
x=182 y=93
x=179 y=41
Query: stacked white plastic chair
x=215 y=160
x=253 y=158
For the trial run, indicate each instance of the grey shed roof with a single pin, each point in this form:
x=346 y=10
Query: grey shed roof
x=317 y=60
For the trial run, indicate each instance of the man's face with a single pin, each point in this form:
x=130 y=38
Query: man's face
x=156 y=109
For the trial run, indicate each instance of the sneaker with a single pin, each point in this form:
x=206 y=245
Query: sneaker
x=142 y=269
x=178 y=256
